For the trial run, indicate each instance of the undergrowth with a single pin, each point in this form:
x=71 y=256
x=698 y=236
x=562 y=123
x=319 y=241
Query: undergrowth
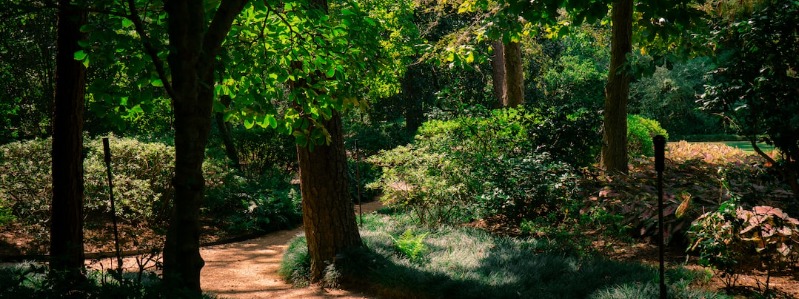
x=470 y=263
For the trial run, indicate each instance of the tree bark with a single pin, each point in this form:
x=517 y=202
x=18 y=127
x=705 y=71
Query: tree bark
x=66 y=226
x=192 y=55
x=614 y=134
x=327 y=210
x=498 y=72
x=514 y=75
x=414 y=114
x=227 y=137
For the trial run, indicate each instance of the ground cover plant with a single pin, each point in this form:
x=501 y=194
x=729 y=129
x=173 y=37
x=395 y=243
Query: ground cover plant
x=472 y=263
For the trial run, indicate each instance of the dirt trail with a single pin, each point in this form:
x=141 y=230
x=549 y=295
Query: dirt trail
x=249 y=269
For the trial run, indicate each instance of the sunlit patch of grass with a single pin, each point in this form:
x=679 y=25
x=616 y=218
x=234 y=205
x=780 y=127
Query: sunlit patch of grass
x=747 y=147
x=471 y=263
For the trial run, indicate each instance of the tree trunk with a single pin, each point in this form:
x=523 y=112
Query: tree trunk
x=327 y=211
x=192 y=56
x=182 y=260
x=614 y=134
x=328 y=214
x=498 y=72
x=227 y=137
x=66 y=226
x=413 y=100
x=514 y=75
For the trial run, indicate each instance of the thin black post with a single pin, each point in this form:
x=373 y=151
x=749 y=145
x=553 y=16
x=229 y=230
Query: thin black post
x=358 y=182
x=660 y=148
x=107 y=150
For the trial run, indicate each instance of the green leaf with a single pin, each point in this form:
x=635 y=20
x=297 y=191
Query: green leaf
x=272 y=121
x=249 y=123
x=301 y=139
x=126 y=23
x=157 y=83
x=80 y=55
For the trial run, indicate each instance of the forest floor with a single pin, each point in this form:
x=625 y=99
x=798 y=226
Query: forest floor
x=248 y=269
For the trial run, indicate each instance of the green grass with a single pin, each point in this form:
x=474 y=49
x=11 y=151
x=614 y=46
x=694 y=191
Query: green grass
x=469 y=263
x=746 y=146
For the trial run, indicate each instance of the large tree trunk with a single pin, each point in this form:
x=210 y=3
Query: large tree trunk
x=192 y=55
x=66 y=226
x=514 y=75
x=614 y=134
x=327 y=211
x=498 y=72
x=182 y=260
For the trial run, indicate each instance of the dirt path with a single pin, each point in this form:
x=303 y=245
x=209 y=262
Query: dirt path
x=249 y=269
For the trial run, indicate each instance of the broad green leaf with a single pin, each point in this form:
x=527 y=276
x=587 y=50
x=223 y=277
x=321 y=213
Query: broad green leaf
x=249 y=123
x=80 y=55
x=272 y=121
x=126 y=23
x=157 y=83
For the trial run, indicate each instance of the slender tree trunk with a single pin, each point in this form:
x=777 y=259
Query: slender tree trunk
x=328 y=214
x=614 y=134
x=413 y=100
x=227 y=137
x=327 y=209
x=498 y=72
x=66 y=226
x=514 y=75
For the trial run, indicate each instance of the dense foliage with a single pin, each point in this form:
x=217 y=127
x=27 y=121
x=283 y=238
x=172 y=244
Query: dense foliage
x=142 y=171
x=755 y=84
x=640 y=132
x=509 y=163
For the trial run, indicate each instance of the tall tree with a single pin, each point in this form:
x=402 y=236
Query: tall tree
x=193 y=47
x=66 y=226
x=328 y=214
x=617 y=90
x=498 y=71
x=514 y=75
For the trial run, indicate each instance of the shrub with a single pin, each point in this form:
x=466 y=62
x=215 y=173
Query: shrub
x=640 y=131
x=243 y=205
x=728 y=238
x=142 y=173
x=528 y=186
x=463 y=168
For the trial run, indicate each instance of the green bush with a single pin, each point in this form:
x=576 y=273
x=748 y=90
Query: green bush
x=242 y=205
x=640 y=131
x=142 y=173
x=460 y=169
